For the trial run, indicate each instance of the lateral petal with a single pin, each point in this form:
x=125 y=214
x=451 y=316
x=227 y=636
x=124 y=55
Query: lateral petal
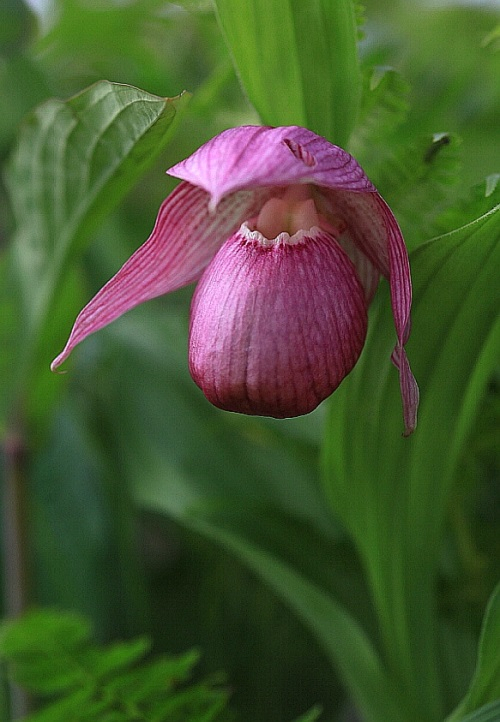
x=373 y=229
x=409 y=389
x=251 y=156
x=185 y=237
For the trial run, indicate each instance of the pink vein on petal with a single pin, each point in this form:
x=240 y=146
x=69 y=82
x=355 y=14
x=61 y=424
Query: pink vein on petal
x=255 y=156
x=184 y=239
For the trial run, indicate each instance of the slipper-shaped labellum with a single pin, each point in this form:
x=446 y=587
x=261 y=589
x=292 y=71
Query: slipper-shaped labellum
x=288 y=238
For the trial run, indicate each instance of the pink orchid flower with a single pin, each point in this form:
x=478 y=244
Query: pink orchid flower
x=288 y=238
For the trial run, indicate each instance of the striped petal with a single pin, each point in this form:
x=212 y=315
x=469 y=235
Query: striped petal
x=252 y=156
x=185 y=237
x=373 y=230
x=275 y=327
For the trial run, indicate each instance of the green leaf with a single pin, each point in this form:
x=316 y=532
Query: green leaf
x=40 y=629
x=344 y=641
x=311 y=716
x=67 y=708
x=393 y=493
x=73 y=162
x=384 y=106
x=480 y=199
x=418 y=180
x=41 y=649
x=117 y=656
x=51 y=654
x=297 y=61
x=488 y=713
x=485 y=684
x=144 y=682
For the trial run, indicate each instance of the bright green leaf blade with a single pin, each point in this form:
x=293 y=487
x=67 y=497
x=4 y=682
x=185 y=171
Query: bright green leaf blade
x=42 y=649
x=51 y=653
x=162 y=674
x=117 y=657
x=392 y=493
x=485 y=685
x=284 y=51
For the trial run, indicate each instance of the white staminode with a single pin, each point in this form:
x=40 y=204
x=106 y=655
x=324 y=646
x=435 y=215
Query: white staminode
x=282 y=238
x=285 y=219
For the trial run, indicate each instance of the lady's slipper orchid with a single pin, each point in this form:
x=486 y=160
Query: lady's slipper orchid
x=288 y=238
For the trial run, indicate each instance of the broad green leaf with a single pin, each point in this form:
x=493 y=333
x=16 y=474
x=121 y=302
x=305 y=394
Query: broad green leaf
x=297 y=61
x=392 y=493
x=485 y=684
x=73 y=162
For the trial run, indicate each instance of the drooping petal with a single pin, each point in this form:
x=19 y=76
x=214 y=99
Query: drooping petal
x=372 y=227
x=252 y=156
x=185 y=237
x=409 y=389
x=401 y=297
x=365 y=220
x=275 y=327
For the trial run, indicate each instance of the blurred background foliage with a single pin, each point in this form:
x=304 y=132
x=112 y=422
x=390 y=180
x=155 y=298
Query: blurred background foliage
x=125 y=444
